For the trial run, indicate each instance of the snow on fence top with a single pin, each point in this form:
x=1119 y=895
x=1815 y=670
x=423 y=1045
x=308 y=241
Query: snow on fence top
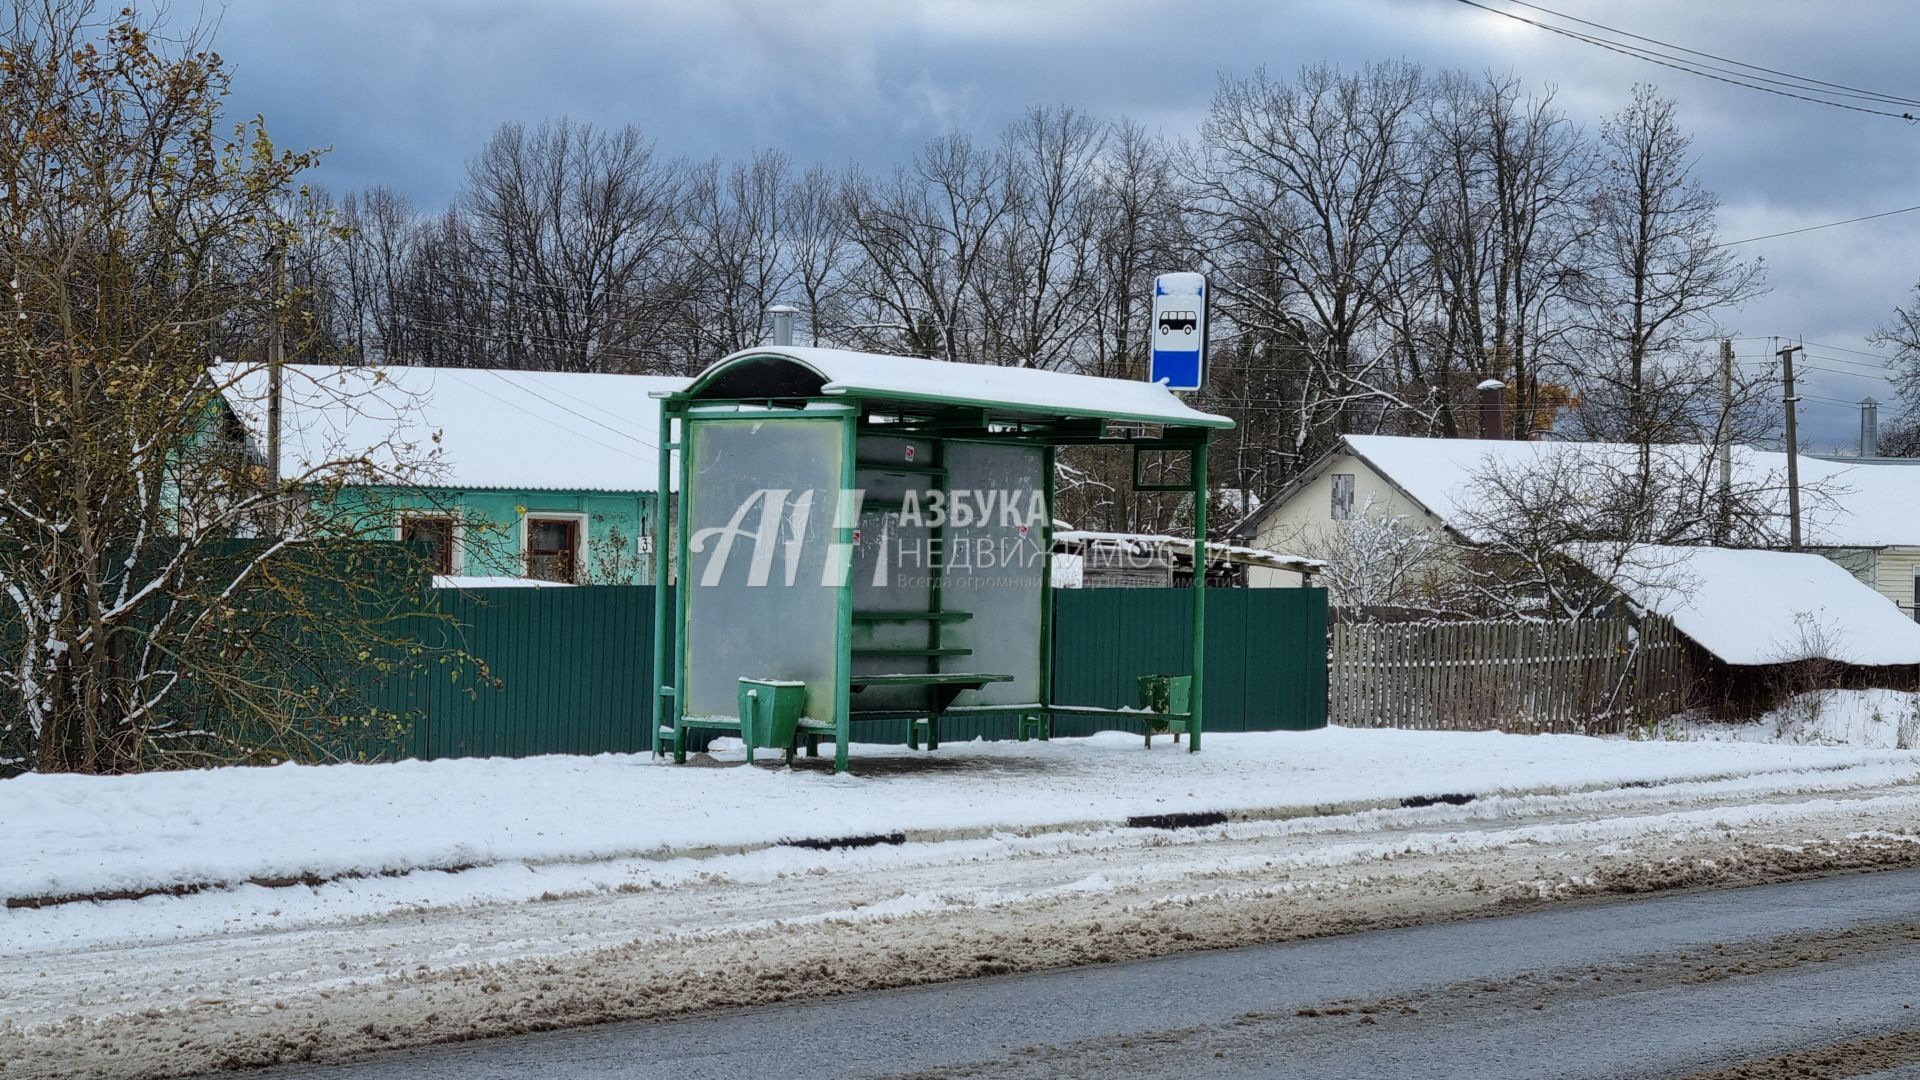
x=1767 y=607
x=1020 y=390
x=1148 y=543
x=1844 y=504
x=458 y=427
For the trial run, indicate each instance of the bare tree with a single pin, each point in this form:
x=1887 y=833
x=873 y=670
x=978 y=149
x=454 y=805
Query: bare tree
x=820 y=252
x=739 y=257
x=165 y=602
x=1901 y=438
x=1301 y=190
x=1655 y=279
x=1554 y=533
x=1378 y=559
x=1036 y=297
x=1504 y=227
x=567 y=225
x=925 y=233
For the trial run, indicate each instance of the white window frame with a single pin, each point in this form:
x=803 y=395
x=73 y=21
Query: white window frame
x=459 y=557
x=583 y=541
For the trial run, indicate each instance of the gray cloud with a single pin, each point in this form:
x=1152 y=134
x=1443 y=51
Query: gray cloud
x=405 y=92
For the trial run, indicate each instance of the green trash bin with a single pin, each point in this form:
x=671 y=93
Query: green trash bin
x=1165 y=694
x=769 y=712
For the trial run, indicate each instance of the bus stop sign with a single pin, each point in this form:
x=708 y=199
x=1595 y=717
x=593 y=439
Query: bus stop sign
x=1180 y=331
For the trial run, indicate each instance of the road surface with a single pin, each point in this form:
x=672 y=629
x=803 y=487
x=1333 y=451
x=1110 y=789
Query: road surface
x=1808 y=978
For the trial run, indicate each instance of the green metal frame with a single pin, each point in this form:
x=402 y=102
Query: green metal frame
x=958 y=418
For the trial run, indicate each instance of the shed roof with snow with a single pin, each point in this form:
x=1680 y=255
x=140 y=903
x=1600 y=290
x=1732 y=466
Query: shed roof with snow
x=1751 y=607
x=459 y=427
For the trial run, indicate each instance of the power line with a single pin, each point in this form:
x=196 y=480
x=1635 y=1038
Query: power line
x=1852 y=374
x=1815 y=228
x=1691 y=68
x=550 y=421
x=1855 y=91
x=1857 y=352
x=501 y=375
x=1882 y=369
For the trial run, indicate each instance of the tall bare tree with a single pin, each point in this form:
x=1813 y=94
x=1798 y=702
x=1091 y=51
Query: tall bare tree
x=1655 y=280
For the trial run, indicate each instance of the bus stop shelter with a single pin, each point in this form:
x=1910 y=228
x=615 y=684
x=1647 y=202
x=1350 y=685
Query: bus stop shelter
x=859 y=536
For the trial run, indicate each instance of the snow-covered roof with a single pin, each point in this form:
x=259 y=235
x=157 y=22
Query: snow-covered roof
x=1150 y=543
x=1017 y=390
x=459 y=427
x=1767 y=607
x=1844 y=504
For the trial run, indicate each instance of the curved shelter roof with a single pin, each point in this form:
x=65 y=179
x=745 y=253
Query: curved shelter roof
x=783 y=371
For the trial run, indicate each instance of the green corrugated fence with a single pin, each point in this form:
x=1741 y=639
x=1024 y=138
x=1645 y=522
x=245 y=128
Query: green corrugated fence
x=573 y=667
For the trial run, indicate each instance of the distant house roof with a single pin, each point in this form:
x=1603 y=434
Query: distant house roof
x=1768 y=607
x=1030 y=391
x=1845 y=503
x=459 y=427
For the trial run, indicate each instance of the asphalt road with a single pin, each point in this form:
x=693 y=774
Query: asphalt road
x=1811 y=978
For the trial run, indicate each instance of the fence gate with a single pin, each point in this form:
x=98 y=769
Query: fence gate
x=1593 y=676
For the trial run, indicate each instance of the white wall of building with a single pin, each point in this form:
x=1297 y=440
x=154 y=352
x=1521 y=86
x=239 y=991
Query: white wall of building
x=1305 y=517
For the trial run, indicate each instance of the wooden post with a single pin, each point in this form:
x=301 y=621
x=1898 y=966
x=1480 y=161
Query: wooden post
x=1792 y=401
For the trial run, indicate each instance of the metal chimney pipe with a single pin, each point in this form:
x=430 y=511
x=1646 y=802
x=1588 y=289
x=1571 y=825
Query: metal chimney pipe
x=1493 y=420
x=1869 y=428
x=782 y=323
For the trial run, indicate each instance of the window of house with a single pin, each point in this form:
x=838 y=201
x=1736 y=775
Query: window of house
x=1342 y=496
x=553 y=548
x=436 y=533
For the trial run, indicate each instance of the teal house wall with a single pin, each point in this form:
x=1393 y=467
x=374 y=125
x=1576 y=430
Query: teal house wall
x=485 y=449
x=489 y=531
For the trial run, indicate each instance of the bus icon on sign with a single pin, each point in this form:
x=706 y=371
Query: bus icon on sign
x=1179 y=325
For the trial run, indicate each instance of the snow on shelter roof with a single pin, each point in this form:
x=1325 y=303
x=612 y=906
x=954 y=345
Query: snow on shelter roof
x=1017 y=390
x=458 y=427
x=1766 y=607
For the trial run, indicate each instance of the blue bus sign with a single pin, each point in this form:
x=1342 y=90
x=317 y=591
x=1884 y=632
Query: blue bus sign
x=1179 y=331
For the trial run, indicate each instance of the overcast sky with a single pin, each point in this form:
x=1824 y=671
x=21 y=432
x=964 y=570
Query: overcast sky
x=405 y=91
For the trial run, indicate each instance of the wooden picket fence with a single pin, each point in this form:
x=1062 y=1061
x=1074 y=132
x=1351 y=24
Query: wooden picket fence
x=1593 y=676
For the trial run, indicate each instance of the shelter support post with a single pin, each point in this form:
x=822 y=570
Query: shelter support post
x=846 y=517
x=1199 y=595
x=662 y=537
x=682 y=590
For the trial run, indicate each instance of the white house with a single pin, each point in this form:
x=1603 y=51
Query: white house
x=1863 y=515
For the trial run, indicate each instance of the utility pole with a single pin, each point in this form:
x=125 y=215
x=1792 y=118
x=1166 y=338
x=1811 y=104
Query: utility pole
x=276 y=359
x=1792 y=402
x=1724 y=526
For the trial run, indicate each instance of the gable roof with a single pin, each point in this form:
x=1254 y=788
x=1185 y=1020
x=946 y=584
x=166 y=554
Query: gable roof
x=458 y=427
x=1768 y=607
x=1844 y=503
x=1024 y=391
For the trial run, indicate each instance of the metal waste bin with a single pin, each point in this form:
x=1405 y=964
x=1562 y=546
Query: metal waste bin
x=1165 y=694
x=769 y=712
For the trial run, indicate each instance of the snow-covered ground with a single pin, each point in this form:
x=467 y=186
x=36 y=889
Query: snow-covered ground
x=1881 y=719
x=573 y=890
x=218 y=827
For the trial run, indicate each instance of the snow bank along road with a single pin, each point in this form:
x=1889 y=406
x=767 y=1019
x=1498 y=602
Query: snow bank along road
x=551 y=923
